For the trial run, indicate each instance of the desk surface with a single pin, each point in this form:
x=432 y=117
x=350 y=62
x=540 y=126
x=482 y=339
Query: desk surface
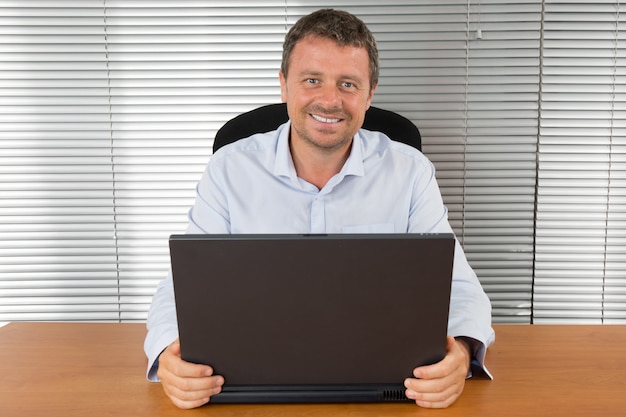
x=80 y=369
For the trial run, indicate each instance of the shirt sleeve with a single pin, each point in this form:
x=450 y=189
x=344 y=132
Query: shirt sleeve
x=162 y=325
x=470 y=308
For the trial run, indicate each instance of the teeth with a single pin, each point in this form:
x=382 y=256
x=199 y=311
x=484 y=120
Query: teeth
x=324 y=119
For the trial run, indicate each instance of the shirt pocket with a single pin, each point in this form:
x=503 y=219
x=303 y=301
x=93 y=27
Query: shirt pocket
x=369 y=228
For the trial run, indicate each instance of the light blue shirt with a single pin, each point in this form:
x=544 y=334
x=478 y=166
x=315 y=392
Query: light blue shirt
x=251 y=186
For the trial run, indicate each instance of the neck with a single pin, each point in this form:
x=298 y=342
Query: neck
x=318 y=165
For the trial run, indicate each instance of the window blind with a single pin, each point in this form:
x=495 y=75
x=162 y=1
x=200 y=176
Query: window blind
x=57 y=255
x=177 y=71
x=474 y=98
x=108 y=110
x=580 y=212
x=500 y=131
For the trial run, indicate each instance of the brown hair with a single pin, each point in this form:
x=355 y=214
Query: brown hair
x=342 y=27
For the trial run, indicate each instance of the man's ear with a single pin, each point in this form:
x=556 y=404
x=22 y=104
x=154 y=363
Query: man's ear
x=283 y=86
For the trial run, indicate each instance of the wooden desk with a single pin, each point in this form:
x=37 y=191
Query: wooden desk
x=92 y=370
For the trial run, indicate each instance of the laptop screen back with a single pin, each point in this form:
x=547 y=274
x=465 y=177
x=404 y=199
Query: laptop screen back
x=302 y=312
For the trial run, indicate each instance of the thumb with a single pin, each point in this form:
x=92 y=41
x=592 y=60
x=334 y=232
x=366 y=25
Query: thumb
x=175 y=347
x=450 y=342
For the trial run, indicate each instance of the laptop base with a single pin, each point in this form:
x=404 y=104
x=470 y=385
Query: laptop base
x=293 y=394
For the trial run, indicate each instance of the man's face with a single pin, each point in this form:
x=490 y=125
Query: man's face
x=327 y=91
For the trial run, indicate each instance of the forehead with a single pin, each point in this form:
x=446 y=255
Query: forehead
x=322 y=54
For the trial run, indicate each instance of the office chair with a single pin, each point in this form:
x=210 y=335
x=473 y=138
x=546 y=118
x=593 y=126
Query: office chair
x=269 y=117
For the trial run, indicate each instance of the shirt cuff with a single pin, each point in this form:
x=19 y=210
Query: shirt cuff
x=478 y=351
x=153 y=351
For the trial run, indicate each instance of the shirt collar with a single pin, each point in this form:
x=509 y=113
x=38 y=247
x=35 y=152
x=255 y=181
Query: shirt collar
x=283 y=165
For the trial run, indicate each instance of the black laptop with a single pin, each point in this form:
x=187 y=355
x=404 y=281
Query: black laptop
x=312 y=318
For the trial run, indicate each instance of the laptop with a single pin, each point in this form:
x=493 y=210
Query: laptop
x=312 y=318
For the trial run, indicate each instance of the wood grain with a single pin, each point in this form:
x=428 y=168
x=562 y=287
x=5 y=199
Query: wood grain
x=98 y=369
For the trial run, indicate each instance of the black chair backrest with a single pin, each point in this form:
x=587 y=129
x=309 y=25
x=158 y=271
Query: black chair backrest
x=268 y=118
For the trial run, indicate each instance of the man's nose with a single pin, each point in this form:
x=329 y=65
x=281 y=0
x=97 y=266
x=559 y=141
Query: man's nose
x=331 y=96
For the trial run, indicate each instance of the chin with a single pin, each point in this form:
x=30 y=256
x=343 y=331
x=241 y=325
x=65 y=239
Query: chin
x=331 y=144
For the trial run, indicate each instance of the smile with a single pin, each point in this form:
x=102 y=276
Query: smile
x=324 y=119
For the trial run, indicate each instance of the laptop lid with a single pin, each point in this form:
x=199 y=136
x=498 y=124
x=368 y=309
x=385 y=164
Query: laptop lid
x=312 y=318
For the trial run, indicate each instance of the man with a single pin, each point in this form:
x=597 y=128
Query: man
x=320 y=173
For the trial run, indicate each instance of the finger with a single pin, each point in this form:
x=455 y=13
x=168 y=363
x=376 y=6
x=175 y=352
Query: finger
x=445 y=403
x=437 y=393
x=184 y=400
x=171 y=362
x=188 y=395
x=182 y=369
x=431 y=389
x=192 y=378
x=438 y=370
x=436 y=388
x=174 y=348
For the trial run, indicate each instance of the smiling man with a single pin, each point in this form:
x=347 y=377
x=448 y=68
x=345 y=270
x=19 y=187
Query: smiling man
x=321 y=173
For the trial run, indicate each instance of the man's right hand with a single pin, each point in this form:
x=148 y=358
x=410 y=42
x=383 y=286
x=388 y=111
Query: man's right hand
x=188 y=385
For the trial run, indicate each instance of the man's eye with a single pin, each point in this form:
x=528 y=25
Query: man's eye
x=347 y=84
x=312 y=81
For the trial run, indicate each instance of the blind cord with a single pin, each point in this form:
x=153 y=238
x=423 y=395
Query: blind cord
x=112 y=156
x=610 y=167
